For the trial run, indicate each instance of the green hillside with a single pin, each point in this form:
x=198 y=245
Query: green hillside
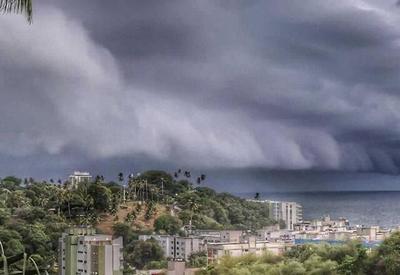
x=34 y=214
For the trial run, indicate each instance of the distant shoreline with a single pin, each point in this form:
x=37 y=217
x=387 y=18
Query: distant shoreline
x=251 y=194
x=359 y=207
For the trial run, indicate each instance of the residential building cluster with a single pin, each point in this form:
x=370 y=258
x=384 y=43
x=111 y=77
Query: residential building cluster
x=297 y=230
x=338 y=230
x=216 y=244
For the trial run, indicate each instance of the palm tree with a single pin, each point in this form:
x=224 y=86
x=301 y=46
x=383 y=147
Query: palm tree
x=58 y=198
x=162 y=188
x=6 y=192
x=121 y=176
x=17 y=6
x=136 y=189
x=121 y=181
x=66 y=197
x=187 y=174
x=193 y=207
x=132 y=183
x=97 y=179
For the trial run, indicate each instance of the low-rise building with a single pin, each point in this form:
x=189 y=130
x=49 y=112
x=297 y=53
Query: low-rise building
x=327 y=229
x=176 y=247
x=252 y=245
x=232 y=236
x=273 y=233
x=220 y=236
x=372 y=233
x=175 y=267
x=368 y=233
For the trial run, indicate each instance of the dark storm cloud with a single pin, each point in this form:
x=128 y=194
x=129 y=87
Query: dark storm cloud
x=272 y=84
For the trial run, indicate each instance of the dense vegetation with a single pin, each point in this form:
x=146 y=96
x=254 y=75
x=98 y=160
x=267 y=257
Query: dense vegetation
x=349 y=259
x=202 y=205
x=29 y=219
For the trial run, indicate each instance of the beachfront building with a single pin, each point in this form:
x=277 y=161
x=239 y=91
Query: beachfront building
x=82 y=251
x=235 y=249
x=176 y=247
x=274 y=233
x=337 y=230
x=290 y=213
x=323 y=224
x=372 y=233
x=79 y=177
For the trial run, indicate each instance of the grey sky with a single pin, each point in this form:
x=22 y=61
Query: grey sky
x=292 y=85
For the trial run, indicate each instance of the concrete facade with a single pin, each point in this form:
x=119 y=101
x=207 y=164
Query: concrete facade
x=176 y=247
x=289 y=212
x=218 y=250
x=219 y=236
x=82 y=251
x=79 y=177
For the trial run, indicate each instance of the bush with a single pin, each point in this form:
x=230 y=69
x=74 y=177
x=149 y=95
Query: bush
x=141 y=253
x=167 y=224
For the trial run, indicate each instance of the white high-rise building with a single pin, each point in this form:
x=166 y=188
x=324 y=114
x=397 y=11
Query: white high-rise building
x=79 y=177
x=289 y=212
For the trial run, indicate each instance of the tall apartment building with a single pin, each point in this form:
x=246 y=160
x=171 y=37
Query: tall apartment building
x=290 y=212
x=176 y=247
x=82 y=251
x=79 y=177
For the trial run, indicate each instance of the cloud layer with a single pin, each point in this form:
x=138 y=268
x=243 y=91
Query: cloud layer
x=272 y=84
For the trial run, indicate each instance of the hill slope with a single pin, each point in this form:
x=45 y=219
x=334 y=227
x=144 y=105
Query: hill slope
x=140 y=222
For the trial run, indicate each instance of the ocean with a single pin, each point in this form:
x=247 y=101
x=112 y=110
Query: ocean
x=366 y=207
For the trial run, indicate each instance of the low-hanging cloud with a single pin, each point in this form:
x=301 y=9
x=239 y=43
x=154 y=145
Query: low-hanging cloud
x=272 y=84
